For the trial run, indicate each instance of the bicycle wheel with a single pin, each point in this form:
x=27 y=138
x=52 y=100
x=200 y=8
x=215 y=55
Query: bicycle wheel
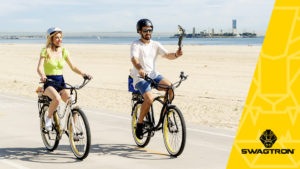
x=79 y=134
x=50 y=138
x=134 y=118
x=174 y=131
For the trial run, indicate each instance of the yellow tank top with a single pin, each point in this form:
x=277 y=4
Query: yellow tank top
x=54 y=66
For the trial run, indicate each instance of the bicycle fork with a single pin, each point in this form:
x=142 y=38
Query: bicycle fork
x=76 y=131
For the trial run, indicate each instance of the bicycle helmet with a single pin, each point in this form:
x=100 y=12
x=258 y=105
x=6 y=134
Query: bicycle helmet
x=143 y=22
x=52 y=30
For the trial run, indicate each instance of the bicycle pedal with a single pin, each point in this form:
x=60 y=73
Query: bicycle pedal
x=67 y=133
x=148 y=125
x=45 y=131
x=152 y=133
x=77 y=137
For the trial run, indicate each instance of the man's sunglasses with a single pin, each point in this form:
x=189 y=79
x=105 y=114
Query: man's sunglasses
x=147 y=31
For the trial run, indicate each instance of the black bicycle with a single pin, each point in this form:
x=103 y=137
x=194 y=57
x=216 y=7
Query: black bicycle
x=171 y=120
x=71 y=120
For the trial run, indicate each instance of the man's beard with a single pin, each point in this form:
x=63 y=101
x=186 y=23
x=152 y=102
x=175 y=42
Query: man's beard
x=146 y=37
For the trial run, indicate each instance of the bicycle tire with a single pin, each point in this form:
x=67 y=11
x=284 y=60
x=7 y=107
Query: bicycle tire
x=174 y=131
x=134 y=118
x=80 y=139
x=50 y=138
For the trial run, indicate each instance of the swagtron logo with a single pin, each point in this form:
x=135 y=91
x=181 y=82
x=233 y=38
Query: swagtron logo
x=268 y=138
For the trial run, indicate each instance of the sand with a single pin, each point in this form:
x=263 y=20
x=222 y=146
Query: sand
x=213 y=95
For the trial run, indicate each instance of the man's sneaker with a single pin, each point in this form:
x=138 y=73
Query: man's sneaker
x=48 y=123
x=139 y=130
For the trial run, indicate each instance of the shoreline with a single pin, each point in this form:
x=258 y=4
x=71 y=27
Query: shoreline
x=99 y=40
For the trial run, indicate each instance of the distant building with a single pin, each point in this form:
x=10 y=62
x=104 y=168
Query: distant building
x=194 y=32
x=234 y=29
x=221 y=34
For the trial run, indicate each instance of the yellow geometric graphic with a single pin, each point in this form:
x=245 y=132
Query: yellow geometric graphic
x=273 y=101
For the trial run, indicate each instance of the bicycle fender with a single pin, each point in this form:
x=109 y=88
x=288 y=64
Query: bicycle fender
x=171 y=106
x=76 y=108
x=139 y=102
x=41 y=109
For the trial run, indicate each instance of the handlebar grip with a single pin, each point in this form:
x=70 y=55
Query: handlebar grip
x=47 y=80
x=182 y=76
x=85 y=77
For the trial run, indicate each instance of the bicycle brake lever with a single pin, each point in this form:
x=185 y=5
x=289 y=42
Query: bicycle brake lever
x=85 y=77
x=49 y=80
x=182 y=76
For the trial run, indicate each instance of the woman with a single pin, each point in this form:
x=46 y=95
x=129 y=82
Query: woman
x=50 y=66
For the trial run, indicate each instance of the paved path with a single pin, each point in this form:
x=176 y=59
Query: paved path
x=112 y=147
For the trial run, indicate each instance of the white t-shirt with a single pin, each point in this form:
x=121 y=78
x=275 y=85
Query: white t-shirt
x=146 y=55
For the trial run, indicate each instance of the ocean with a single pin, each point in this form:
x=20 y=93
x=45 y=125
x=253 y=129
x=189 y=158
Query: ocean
x=122 y=39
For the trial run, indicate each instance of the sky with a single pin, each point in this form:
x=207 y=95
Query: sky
x=122 y=15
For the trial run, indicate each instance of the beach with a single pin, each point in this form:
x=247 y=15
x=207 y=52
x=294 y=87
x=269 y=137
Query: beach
x=218 y=81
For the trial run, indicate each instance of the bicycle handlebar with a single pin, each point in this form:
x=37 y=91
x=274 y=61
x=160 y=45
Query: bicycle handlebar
x=154 y=84
x=182 y=78
x=85 y=81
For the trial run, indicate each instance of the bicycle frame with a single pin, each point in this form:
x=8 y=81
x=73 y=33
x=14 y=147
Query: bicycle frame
x=166 y=102
x=67 y=112
x=170 y=119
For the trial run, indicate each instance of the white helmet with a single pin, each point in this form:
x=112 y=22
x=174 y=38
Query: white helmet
x=52 y=30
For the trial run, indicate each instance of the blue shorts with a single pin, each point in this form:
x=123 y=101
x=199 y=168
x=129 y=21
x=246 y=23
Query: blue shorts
x=145 y=86
x=59 y=83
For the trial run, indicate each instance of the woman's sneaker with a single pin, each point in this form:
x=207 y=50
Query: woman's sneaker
x=48 y=123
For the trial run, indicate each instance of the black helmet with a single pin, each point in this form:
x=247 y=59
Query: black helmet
x=143 y=22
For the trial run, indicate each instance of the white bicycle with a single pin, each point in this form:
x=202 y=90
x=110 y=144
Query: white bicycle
x=72 y=121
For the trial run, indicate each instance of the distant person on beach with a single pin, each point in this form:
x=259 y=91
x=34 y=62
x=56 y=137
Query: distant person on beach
x=50 y=66
x=143 y=53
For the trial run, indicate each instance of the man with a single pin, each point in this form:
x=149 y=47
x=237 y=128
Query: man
x=144 y=53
